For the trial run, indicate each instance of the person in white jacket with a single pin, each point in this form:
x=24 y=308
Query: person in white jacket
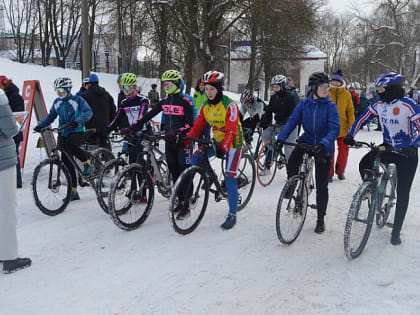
x=8 y=237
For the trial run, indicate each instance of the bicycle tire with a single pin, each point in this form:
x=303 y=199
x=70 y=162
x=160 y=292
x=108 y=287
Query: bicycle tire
x=296 y=207
x=199 y=185
x=244 y=180
x=386 y=200
x=265 y=174
x=357 y=214
x=143 y=187
x=110 y=169
x=64 y=199
x=165 y=190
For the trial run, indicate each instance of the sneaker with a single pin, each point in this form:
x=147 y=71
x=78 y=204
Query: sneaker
x=10 y=266
x=341 y=176
x=87 y=170
x=320 y=227
x=229 y=222
x=183 y=213
x=330 y=180
x=395 y=239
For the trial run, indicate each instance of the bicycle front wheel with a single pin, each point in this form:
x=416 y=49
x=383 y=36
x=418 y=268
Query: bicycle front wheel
x=131 y=197
x=191 y=190
x=387 y=198
x=245 y=180
x=266 y=164
x=51 y=187
x=359 y=221
x=291 y=210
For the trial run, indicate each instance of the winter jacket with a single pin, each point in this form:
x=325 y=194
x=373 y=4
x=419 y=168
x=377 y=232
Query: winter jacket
x=199 y=99
x=355 y=98
x=364 y=103
x=153 y=97
x=399 y=119
x=293 y=90
x=102 y=105
x=342 y=98
x=72 y=108
x=120 y=98
x=281 y=105
x=179 y=114
x=132 y=108
x=15 y=99
x=320 y=121
x=256 y=109
x=8 y=128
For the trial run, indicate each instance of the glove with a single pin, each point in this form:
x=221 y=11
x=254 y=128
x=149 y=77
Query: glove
x=220 y=153
x=127 y=131
x=279 y=145
x=321 y=150
x=37 y=128
x=349 y=140
x=410 y=151
x=73 y=124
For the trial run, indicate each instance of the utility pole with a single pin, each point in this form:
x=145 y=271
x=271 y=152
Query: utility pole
x=85 y=40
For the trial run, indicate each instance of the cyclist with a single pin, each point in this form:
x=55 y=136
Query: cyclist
x=321 y=125
x=281 y=104
x=179 y=117
x=221 y=113
x=255 y=108
x=73 y=112
x=399 y=117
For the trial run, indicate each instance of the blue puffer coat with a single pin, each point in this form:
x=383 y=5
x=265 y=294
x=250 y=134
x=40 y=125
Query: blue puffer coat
x=320 y=122
x=72 y=108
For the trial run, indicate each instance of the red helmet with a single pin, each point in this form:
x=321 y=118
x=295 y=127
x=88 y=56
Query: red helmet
x=4 y=80
x=212 y=77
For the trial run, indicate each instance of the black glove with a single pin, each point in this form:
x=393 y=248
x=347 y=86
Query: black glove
x=349 y=140
x=219 y=151
x=410 y=151
x=37 y=128
x=279 y=145
x=73 y=124
x=321 y=150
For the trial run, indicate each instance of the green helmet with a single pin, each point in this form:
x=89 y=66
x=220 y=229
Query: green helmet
x=171 y=75
x=129 y=79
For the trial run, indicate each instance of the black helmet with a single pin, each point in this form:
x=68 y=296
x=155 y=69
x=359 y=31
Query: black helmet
x=318 y=78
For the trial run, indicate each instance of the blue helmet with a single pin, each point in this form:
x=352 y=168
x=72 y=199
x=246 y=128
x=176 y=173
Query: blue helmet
x=389 y=78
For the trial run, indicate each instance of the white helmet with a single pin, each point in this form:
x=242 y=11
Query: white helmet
x=63 y=83
x=279 y=79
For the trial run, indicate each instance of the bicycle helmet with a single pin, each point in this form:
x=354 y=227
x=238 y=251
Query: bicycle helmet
x=129 y=79
x=279 y=79
x=389 y=78
x=171 y=75
x=318 y=78
x=213 y=77
x=247 y=96
x=63 y=82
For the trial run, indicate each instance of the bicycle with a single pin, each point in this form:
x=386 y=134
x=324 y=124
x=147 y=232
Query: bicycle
x=195 y=184
x=293 y=201
x=375 y=197
x=131 y=194
x=54 y=199
x=269 y=160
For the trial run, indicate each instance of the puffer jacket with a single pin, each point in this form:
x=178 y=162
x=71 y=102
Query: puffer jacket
x=320 y=122
x=8 y=128
x=342 y=98
x=72 y=108
x=102 y=105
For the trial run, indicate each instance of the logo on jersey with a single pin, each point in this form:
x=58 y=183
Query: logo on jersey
x=396 y=111
x=233 y=112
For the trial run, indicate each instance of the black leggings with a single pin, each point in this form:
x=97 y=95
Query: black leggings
x=322 y=169
x=72 y=144
x=406 y=169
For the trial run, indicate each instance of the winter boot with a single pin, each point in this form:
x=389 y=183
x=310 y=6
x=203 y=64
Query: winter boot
x=320 y=226
x=88 y=168
x=395 y=239
x=183 y=213
x=230 y=221
x=341 y=176
x=10 y=266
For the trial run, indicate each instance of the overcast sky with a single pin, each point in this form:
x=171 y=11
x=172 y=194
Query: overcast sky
x=341 y=6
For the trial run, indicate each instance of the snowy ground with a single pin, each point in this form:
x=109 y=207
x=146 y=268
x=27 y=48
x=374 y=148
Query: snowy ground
x=84 y=264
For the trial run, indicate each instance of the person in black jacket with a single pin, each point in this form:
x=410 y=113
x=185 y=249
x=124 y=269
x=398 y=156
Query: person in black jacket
x=103 y=108
x=17 y=105
x=282 y=103
x=121 y=95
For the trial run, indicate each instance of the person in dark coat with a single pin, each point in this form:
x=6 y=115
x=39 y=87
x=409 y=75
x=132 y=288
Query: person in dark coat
x=17 y=105
x=153 y=95
x=103 y=108
x=121 y=95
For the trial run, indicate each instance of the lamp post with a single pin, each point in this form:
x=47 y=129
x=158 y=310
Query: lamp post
x=107 y=60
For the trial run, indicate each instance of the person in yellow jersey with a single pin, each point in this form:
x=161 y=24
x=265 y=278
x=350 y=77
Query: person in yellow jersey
x=222 y=114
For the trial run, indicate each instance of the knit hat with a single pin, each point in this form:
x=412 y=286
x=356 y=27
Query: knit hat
x=93 y=78
x=338 y=76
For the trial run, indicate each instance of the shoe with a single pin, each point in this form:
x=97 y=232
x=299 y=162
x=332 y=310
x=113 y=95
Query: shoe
x=229 y=222
x=74 y=196
x=341 y=176
x=330 y=180
x=183 y=213
x=19 y=185
x=320 y=227
x=87 y=170
x=395 y=239
x=10 y=266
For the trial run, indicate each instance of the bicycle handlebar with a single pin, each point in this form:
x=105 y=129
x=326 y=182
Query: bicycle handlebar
x=380 y=148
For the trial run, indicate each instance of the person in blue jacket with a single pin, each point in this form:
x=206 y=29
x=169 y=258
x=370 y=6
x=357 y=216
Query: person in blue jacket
x=399 y=117
x=321 y=125
x=73 y=113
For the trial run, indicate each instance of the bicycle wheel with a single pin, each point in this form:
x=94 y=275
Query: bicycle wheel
x=106 y=174
x=165 y=187
x=266 y=164
x=191 y=186
x=245 y=180
x=131 y=197
x=100 y=157
x=291 y=210
x=51 y=187
x=359 y=221
x=387 y=198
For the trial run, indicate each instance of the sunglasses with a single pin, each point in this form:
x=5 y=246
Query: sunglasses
x=168 y=84
x=61 y=90
x=127 y=87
